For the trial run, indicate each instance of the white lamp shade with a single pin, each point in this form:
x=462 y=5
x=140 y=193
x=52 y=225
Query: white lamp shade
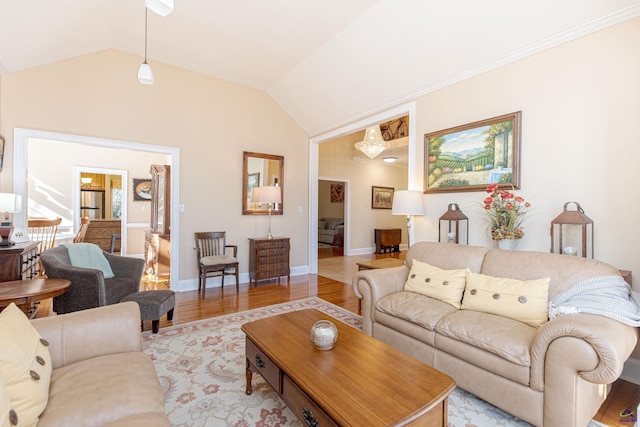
x=161 y=7
x=10 y=202
x=407 y=202
x=145 y=75
x=270 y=194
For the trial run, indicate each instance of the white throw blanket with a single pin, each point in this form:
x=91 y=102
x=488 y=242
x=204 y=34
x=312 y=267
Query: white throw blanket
x=608 y=296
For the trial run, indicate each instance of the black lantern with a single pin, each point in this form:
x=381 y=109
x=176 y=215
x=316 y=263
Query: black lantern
x=454 y=226
x=572 y=232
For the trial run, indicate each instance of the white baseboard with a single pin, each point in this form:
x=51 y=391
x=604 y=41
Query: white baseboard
x=216 y=282
x=631 y=371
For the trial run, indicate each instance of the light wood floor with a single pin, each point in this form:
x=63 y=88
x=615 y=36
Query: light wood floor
x=190 y=307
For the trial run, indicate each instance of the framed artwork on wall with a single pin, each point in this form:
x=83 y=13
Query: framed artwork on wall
x=381 y=197
x=337 y=193
x=472 y=156
x=141 y=189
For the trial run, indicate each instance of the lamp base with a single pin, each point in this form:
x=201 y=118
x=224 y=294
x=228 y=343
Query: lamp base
x=6 y=229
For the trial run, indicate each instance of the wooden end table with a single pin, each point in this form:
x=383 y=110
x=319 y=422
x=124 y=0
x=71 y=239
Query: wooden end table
x=25 y=292
x=360 y=382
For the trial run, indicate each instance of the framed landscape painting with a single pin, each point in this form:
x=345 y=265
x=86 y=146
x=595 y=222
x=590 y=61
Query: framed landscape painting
x=471 y=156
x=381 y=197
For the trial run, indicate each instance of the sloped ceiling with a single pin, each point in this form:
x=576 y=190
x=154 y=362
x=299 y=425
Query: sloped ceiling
x=326 y=63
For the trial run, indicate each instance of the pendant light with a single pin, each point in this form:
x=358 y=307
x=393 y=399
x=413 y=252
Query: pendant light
x=145 y=75
x=373 y=142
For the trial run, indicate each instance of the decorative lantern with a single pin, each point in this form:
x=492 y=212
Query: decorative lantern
x=454 y=226
x=572 y=232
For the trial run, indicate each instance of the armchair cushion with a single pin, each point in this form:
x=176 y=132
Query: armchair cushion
x=89 y=255
x=217 y=260
x=25 y=366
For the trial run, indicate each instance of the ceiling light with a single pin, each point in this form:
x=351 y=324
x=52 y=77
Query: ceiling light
x=373 y=142
x=145 y=75
x=161 y=7
x=389 y=159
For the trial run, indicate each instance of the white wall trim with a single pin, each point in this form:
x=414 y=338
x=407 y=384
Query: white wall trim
x=20 y=162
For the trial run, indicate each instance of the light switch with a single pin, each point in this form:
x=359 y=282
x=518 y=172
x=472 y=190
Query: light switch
x=181 y=208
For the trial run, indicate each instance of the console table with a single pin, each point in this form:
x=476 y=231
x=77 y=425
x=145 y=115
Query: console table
x=268 y=258
x=387 y=238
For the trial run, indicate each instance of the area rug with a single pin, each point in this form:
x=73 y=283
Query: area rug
x=201 y=366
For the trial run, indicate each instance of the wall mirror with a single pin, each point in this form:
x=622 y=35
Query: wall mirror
x=259 y=170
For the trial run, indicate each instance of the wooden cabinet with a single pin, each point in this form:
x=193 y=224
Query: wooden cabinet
x=388 y=239
x=268 y=258
x=19 y=262
x=157 y=248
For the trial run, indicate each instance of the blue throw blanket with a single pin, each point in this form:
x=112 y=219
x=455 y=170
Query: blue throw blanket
x=89 y=255
x=608 y=296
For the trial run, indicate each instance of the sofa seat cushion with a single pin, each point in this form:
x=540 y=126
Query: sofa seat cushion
x=504 y=337
x=419 y=314
x=494 y=343
x=103 y=390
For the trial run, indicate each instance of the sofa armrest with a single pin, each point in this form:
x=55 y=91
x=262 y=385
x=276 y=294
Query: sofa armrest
x=90 y=333
x=610 y=344
x=371 y=285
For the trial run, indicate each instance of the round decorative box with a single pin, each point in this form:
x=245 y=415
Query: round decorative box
x=324 y=334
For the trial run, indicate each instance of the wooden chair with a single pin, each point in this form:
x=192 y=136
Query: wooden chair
x=213 y=260
x=43 y=230
x=82 y=231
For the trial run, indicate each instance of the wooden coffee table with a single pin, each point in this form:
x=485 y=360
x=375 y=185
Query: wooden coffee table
x=25 y=292
x=360 y=382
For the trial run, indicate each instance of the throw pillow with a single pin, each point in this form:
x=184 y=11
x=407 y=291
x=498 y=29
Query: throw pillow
x=25 y=366
x=434 y=282
x=322 y=224
x=89 y=255
x=8 y=416
x=522 y=300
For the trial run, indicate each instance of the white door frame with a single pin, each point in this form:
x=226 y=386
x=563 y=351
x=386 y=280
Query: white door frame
x=402 y=110
x=21 y=139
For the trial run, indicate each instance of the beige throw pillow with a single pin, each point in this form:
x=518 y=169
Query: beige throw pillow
x=434 y=282
x=8 y=416
x=522 y=300
x=25 y=366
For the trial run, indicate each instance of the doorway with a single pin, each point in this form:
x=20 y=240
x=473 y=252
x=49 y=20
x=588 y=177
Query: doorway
x=60 y=196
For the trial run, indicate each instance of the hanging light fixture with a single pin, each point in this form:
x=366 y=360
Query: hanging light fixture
x=373 y=142
x=161 y=7
x=145 y=75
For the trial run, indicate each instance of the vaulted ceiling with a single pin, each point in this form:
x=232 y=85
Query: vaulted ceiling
x=326 y=62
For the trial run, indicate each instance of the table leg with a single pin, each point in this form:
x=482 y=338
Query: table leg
x=249 y=375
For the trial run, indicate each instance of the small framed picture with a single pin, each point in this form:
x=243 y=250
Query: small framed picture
x=141 y=189
x=381 y=197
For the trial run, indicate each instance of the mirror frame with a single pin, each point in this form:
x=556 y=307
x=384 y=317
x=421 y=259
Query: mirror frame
x=245 y=182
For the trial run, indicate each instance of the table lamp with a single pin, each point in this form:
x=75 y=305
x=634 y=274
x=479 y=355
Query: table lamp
x=409 y=203
x=270 y=194
x=9 y=203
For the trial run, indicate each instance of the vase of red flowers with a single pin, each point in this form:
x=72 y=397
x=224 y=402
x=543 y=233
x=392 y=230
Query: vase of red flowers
x=505 y=213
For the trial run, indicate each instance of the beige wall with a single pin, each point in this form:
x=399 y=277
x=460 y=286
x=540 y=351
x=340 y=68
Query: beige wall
x=327 y=208
x=336 y=161
x=211 y=121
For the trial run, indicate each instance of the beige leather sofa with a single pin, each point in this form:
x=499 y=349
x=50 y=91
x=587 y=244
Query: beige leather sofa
x=553 y=375
x=100 y=375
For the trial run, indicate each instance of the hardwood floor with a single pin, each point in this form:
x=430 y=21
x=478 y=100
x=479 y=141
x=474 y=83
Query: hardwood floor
x=190 y=307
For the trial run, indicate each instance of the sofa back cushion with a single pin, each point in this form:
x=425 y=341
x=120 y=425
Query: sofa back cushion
x=447 y=256
x=563 y=271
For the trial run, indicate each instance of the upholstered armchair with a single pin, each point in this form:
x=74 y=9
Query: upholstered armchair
x=89 y=288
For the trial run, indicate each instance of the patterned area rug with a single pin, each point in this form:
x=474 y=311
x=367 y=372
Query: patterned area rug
x=201 y=366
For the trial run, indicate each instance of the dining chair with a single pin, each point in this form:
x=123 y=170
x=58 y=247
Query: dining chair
x=213 y=261
x=82 y=231
x=43 y=230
